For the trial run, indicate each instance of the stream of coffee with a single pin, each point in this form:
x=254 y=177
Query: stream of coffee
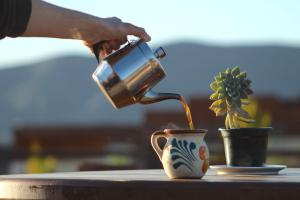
x=188 y=113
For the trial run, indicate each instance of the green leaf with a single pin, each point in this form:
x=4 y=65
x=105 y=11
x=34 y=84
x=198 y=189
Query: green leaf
x=228 y=71
x=220 y=112
x=242 y=75
x=247 y=82
x=229 y=101
x=221 y=96
x=227 y=125
x=221 y=90
x=235 y=71
x=249 y=91
x=223 y=75
x=214 y=96
x=220 y=83
x=244 y=95
x=218 y=104
x=214 y=86
x=218 y=78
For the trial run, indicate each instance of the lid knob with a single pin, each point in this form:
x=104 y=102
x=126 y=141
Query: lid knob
x=159 y=53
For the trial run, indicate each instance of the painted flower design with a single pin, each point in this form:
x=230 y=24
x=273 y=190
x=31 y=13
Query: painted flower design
x=182 y=153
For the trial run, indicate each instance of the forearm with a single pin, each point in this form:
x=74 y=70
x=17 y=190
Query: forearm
x=48 y=20
x=52 y=21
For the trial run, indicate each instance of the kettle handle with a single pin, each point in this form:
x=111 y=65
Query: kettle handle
x=98 y=46
x=96 y=49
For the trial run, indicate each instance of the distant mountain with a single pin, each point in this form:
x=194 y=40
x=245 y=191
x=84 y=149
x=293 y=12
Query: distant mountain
x=272 y=69
x=61 y=90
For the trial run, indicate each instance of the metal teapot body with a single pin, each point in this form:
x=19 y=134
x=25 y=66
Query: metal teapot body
x=127 y=76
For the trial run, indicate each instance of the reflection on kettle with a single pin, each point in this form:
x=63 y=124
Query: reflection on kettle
x=128 y=75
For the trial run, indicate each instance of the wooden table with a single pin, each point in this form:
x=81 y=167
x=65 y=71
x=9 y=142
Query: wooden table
x=149 y=184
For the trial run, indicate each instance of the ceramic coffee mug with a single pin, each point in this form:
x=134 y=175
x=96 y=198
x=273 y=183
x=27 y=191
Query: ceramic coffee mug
x=185 y=154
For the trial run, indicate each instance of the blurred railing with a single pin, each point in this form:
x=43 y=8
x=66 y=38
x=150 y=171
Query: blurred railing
x=71 y=148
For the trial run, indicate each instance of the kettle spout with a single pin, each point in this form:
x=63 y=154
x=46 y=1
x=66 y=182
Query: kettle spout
x=153 y=97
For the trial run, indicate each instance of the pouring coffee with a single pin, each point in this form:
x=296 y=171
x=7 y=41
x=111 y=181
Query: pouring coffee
x=128 y=75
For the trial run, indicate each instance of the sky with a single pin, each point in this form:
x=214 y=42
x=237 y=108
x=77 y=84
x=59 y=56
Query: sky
x=212 y=22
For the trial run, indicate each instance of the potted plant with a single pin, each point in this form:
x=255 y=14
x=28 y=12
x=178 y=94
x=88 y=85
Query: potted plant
x=244 y=146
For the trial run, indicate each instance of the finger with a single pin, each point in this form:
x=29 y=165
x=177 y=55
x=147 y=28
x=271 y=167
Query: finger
x=137 y=31
x=108 y=51
x=91 y=48
x=108 y=48
x=102 y=54
x=105 y=50
x=114 y=44
x=123 y=40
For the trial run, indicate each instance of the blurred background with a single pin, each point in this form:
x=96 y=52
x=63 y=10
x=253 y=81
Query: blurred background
x=54 y=118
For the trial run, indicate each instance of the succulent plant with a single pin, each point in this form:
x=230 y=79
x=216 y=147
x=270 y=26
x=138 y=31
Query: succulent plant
x=231 y=90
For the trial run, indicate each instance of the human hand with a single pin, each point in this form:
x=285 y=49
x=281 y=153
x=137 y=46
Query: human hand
x=112 y=32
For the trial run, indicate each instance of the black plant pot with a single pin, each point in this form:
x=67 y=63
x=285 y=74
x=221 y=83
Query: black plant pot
x=245 y=146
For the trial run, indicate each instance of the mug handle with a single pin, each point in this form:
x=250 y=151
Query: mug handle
x=154 y=142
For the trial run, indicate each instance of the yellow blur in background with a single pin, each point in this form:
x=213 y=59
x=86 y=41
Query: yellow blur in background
x=36 y=163
x=262 y=118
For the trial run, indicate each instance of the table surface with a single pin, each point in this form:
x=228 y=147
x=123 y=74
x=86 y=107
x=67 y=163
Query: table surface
x=149 y=184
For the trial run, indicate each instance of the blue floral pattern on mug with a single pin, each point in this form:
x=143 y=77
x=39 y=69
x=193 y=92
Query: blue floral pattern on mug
x=182 y=153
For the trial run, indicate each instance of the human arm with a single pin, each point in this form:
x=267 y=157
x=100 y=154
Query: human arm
x=47 y=20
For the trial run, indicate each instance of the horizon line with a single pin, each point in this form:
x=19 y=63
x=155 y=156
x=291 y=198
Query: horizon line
x=76 y=53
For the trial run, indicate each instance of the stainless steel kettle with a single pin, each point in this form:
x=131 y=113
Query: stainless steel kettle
x=128 y=75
